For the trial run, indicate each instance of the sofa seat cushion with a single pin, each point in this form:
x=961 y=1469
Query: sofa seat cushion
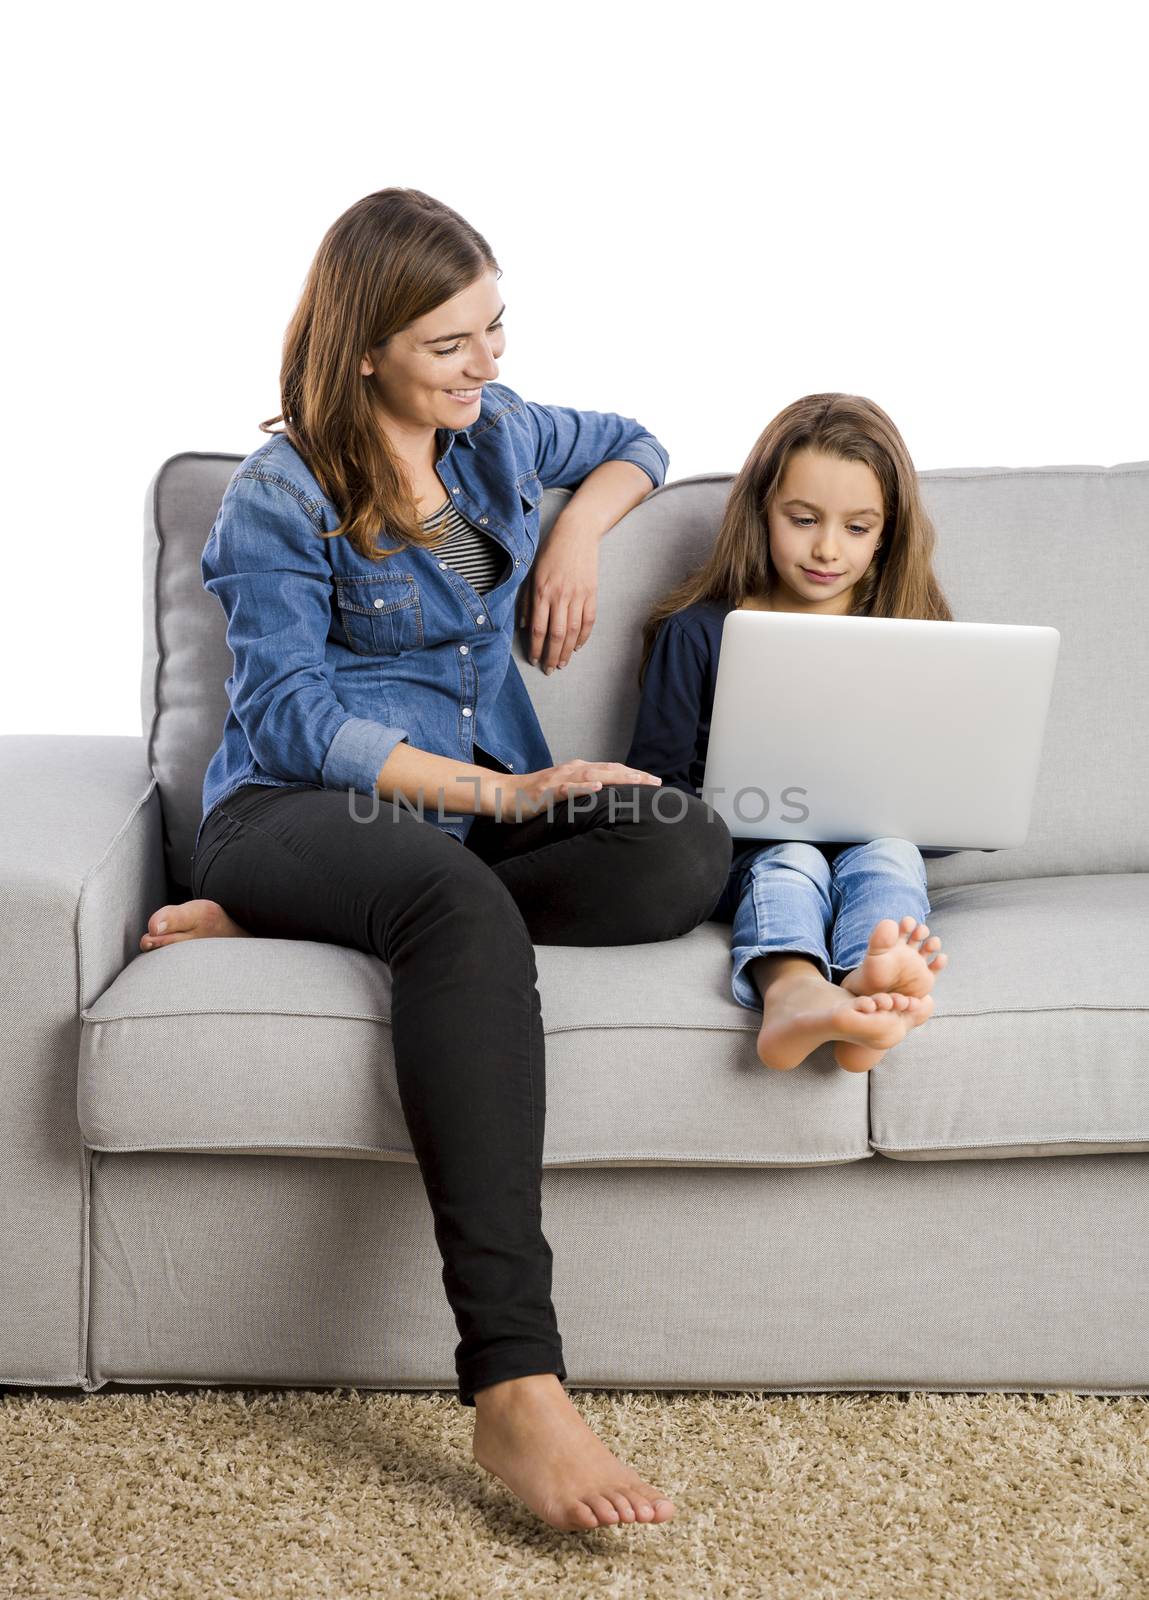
x=1039 y=1040
x=281 y=1045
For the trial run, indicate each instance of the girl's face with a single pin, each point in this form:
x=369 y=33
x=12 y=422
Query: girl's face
x=826 y=516
x=453 y=349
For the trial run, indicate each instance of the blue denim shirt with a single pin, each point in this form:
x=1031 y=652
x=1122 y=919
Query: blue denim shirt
x=337 y=658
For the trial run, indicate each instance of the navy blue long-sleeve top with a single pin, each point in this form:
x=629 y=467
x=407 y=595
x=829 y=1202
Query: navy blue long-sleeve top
x=672 y=728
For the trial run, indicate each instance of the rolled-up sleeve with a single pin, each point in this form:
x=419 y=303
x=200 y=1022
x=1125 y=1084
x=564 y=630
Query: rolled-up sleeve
x=666 y=727
x=266 y=564
x=570 y=443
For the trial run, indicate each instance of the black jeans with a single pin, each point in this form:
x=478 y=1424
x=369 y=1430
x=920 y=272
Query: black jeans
x=456 y=925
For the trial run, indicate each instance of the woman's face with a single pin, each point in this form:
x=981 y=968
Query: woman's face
x=826 y=516
x=453 y=348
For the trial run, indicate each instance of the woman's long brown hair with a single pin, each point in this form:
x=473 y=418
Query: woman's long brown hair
x=389 y=259
x=899 y=582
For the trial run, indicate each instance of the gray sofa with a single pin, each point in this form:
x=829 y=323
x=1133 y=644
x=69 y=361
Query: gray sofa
x=205 y=1175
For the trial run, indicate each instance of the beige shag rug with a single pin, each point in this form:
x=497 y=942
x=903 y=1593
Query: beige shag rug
x=240 y=1492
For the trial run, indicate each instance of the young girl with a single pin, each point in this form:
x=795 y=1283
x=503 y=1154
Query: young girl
x=825 y=518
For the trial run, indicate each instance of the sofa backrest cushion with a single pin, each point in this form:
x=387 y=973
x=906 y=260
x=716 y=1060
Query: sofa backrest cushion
x=1062 y=546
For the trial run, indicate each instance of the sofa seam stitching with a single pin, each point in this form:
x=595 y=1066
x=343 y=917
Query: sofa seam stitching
x=579 y=1027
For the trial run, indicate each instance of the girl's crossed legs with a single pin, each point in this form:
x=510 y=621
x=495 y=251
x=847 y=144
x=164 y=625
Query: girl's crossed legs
x=816 y=945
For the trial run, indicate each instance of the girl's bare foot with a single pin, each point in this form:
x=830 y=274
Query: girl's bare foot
x=893 y=961
x=860 y=1057
x=191 y=919
x=802 y=1010
x=528 y=1433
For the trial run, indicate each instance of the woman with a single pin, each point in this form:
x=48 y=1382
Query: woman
x=374 y=671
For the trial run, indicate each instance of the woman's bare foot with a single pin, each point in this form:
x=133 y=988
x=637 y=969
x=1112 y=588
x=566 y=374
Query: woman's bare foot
x=893 y=961
x=191 y=919
x=802 y=1010
x=528 y=1433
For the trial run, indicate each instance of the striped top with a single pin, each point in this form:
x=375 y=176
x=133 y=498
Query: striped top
x=468 y=551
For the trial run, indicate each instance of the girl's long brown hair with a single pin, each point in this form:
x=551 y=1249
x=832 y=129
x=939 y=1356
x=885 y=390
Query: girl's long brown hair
x=899 y=582
x=390 y=258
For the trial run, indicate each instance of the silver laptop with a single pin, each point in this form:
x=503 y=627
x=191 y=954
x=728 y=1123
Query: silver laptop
x=845 y=729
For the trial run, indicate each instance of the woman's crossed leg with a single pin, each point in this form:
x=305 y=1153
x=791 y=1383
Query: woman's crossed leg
x=456 y=927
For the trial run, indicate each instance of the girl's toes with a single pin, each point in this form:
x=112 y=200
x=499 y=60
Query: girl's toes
x=906 y=926
x=883 y=936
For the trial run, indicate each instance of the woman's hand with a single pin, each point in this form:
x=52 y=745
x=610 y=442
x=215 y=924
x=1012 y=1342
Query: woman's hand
x=528 y=794
x=563 y=587
x=558 y=598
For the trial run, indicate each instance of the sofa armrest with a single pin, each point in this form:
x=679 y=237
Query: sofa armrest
x=81 y=869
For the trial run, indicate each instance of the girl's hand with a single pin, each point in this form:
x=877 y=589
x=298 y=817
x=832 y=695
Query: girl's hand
x=563 y=587
x=525 y=796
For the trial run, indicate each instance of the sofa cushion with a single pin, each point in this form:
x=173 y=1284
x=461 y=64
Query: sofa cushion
x=1039 y=1040
x=1037 y=1046
x=282 y=1045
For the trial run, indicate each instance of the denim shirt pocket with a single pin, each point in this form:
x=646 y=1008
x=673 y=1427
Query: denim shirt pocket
x=380 y=615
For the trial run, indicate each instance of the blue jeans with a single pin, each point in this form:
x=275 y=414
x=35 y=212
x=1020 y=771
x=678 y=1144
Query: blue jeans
x=817 y=900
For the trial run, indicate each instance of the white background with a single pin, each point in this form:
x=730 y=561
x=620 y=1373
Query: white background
x=700 y=216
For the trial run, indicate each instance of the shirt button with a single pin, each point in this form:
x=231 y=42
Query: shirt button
x=454 y=488
x=443 y=566
x=462 y=649
x=480 y=619
x=518 y=563
x=482 y=519
x=466 y=711
x=378 y=602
